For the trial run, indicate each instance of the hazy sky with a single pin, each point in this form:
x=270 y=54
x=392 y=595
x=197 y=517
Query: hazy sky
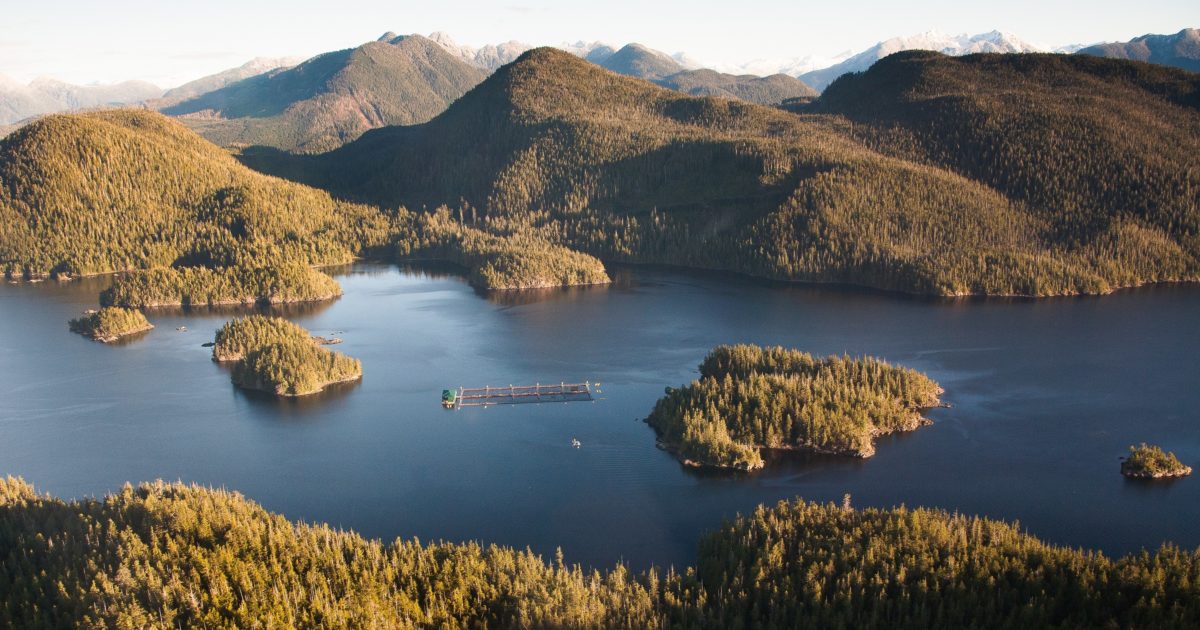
x=168 y=42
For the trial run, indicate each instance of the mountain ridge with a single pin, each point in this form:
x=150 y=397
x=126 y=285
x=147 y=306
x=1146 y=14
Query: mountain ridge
x=630 y=172
x=1181 y=50
x=333 y=97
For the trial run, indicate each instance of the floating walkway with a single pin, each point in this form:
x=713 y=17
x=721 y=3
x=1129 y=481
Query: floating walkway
x=517 y=394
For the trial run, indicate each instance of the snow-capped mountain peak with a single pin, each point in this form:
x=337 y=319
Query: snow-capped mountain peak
x=990 y=42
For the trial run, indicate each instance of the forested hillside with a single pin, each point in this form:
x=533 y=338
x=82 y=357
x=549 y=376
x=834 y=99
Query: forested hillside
x=636 y=60
x=118 y=190
x=169 y=555
x=1103 y=154
x=771 y=90
x=626 y=171
x=332 y=98
x=1028 y=174
x=136 y=191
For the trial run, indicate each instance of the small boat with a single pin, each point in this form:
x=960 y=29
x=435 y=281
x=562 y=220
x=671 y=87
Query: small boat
x=576 y=443
x=182 y=329
x=449 y=398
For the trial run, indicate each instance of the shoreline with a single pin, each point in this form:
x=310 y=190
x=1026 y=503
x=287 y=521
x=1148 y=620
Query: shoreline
x=917 y=423
x=41 y=277
x=259 y=301
x=467 y=271
x=120 y=336
x=323 y=387
x=888 y=291
x=1145 y=476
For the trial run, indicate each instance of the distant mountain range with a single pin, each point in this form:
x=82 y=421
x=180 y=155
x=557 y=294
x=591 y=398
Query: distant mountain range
x=677 y=72
x=204 y=85
x=642 y=62
x=332 y=98
x=43 y=96
x=488 y=57
x=1181 y=50
x=335 y=97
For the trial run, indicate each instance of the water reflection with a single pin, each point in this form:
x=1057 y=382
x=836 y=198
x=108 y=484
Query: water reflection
x=313 y=406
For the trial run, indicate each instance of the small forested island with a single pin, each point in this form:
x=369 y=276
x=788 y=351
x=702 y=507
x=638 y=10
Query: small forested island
x=749 y=398
x=281 y=358
x=1151 y=462
x=243 y=335
x=171 y=555
x=110 y=324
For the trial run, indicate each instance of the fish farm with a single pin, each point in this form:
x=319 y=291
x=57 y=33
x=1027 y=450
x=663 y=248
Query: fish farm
x=517 y=394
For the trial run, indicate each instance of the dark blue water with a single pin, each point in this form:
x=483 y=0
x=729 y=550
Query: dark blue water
x=1046 y=396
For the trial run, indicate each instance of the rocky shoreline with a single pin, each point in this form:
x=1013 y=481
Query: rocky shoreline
x=259 y=386
x=123 y=334
x=1164 y=474
x=243 y=301
x=918 y=422
x=1148 y=461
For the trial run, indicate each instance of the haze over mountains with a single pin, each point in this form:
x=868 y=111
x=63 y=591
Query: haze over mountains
x=19 y=101
x=204 y=85
x=954 y=45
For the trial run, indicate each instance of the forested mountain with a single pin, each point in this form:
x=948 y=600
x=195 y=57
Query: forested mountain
x=770 y=90
x=125 y=189
x=627 y=171
x=131 y=190
x=170 y=555
x=640 y=62
x=635 y=60
x=1181 y=50
x=332 y=98
x=1104 y=155
x=45 y=96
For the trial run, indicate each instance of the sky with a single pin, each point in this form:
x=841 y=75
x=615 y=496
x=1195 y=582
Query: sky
x=168 y=42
